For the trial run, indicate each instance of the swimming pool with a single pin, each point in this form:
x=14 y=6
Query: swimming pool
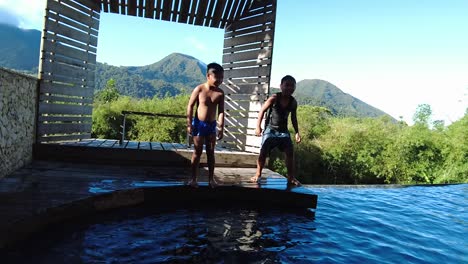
x=419 y=224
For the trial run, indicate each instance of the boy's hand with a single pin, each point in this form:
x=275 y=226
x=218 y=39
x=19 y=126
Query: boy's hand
x=189 y=130
x=298 y=138
x=258 y=131
x=220 y=134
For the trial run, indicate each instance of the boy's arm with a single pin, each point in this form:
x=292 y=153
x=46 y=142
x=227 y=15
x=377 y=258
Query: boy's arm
x=268 y=103
x=193 y=99
x=221 y=118
x=294 y=121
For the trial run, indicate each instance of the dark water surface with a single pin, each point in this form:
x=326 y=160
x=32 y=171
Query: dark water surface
x=351 y=225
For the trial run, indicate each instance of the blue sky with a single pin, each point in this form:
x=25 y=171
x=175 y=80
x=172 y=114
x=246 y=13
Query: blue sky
x=393 y=55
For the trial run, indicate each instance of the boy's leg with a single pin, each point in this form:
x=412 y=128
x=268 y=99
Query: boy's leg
x=260 y=165
x=196 y=155
x=289 y=158
x=210 y=157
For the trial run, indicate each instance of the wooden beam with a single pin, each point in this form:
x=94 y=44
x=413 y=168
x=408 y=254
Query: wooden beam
x=132 y=7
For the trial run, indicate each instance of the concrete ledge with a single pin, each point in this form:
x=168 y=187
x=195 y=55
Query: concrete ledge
x=166 y=196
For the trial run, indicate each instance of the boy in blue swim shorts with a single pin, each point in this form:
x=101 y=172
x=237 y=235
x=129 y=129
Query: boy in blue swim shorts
x=207 y=124
x=276 y=133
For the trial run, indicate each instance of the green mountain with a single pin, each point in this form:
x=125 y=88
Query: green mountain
x=323 y=93
x=19 y=48
x=177 y=73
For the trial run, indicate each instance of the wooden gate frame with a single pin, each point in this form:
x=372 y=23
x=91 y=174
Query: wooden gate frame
x=68 y=60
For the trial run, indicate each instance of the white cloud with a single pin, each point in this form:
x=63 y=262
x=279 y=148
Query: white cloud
x=28 y=14
x=196 y=43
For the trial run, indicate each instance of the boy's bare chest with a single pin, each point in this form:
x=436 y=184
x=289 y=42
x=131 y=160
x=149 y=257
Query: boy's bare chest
x=210 y=97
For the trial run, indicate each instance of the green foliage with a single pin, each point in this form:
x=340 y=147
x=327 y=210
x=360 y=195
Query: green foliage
x=107 y=119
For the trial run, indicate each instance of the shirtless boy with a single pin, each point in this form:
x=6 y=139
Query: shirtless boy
x=203 y=127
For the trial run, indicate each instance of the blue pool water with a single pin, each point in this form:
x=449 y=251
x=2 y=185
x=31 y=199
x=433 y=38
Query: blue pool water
x=351 y=225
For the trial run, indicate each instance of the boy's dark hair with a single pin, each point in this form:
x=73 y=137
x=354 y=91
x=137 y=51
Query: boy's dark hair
x=214 y=67
x=288 y=78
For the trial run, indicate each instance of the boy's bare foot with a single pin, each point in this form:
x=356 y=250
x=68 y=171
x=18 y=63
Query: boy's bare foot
x=193 y=183
x=294 y=182
x=256 y=179
x=213 y=183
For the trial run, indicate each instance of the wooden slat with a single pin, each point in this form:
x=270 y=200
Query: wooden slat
x=220 y=5
x=56 y=88
x=65 y=99
x=234 y=65
x=67 y=70
x=74 y=4
x=202 y=5
x=166 y=11
x=256 y=55
x=250 y=22
x=96 y=143
x=249 y=13
x=64 y=138
x=246 y=97
x=105 y=6
x=82 y=119
x=225 y=15
x=141 y=7
x=184 y=10
x=249 y=30
x=247 y=88
x=71 y=33
x=248 y=47
x=158 y=9
x=123 y=8
x=175 y=10
x=240 y=122
x=73 y=43
x=66 y=80
x=247 y=72
x=193 y=13
x=70 y=22
x=245 y=81
x=149 y=9
x=65 y=109
x=92 y=4
x=240 y=9
x=114 y=6
x=248 y=39
x=56 y=58
x=234 y=8
x=71 y=13
x=63 y=128
x=132 y=5
x=60 y=49
x=243 y=105
x=252 y=149
x=209 y=14
x=241 y=114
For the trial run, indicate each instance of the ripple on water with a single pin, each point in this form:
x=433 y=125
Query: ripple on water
x=351 y=225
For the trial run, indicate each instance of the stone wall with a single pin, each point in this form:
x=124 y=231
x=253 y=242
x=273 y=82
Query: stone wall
x=18 y=107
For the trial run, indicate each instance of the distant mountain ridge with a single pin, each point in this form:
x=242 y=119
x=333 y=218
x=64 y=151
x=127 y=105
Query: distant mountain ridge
x=322 y=93
x=176 y=73
x=19 y=48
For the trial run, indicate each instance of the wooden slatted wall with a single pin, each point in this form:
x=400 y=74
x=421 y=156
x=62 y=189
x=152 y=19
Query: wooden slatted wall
x=66 y=70
x=247 y=56
x=208 y=13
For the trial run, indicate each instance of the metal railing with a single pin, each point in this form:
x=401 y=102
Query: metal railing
x=126 y=113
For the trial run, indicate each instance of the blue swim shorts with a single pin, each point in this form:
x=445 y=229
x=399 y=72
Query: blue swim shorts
x=272 y=139
x=202 y=128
